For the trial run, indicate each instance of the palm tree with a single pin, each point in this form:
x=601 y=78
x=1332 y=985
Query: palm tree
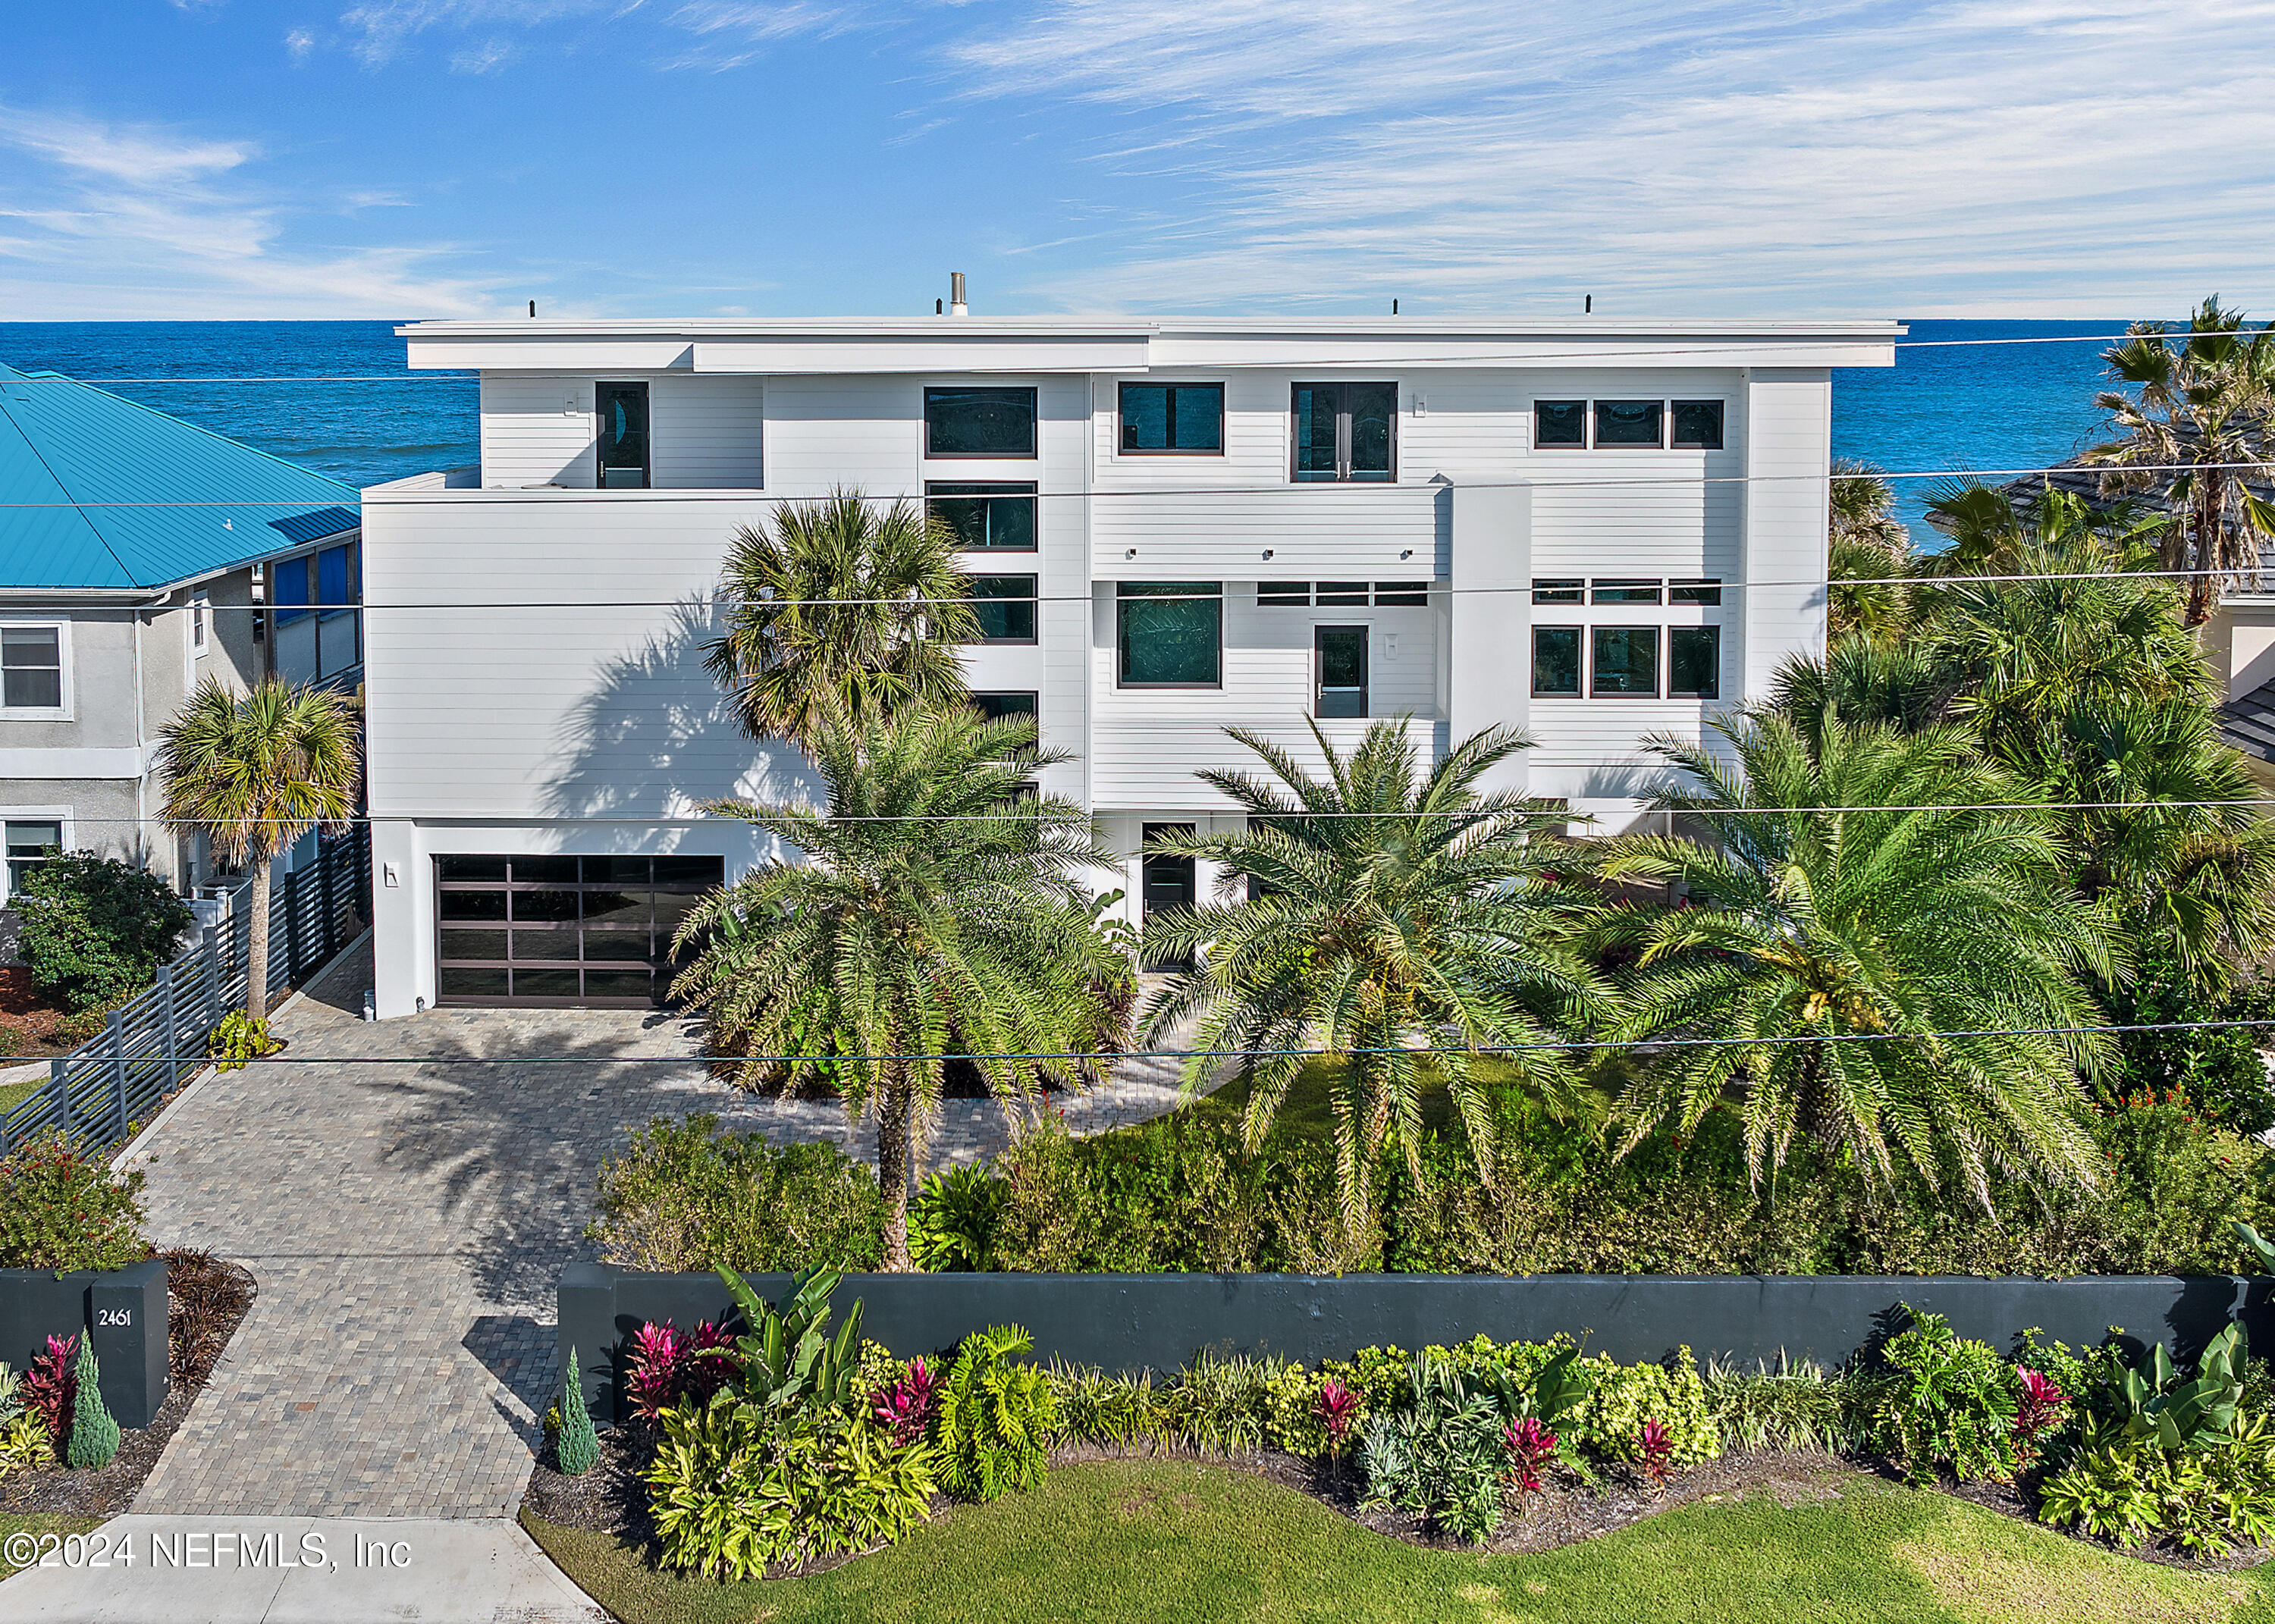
x=1887 y=968
x=253 y=773
x=1377 y=913
x=1870 y=546
x=2203 y=400
x=837 y=602
x=928 y=914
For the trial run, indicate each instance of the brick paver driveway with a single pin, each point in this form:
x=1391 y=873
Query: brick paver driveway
x=407 y=1218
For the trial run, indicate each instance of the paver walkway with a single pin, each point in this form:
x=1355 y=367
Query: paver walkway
x=407 y=1220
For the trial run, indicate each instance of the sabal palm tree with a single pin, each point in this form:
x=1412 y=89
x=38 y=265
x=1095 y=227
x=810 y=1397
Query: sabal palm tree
x=925 y=914
x=1878 y=978
x=1378 y=911
x=1869 y=554
x=2201 y=405
x=1902 y=686
x=837 y=602
x=253 y=773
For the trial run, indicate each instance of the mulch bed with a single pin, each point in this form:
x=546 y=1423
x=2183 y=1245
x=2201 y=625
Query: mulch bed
x=28 y=1020
x=207 y=1300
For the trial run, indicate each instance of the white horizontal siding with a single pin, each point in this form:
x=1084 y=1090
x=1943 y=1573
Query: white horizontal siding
x=536 y=430
x=707 y=433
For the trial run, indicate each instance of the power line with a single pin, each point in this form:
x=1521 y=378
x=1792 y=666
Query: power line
x=1561 y=1046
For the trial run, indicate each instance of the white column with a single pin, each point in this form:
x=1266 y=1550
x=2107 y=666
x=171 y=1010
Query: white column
x=1490 y=654
x=1788 y=469
x=401 y=919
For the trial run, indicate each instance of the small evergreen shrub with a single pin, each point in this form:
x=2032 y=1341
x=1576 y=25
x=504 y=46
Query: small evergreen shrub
x=1947 y=1404
x=686 y=1196
x=94 y=930
x=579 y=1447
x=1610 y=1420
x=94 y=1431
x=62 y=1208
x=996 y=1417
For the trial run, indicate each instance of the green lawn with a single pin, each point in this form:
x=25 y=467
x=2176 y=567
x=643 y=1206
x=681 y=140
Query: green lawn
x=13 y=1094
x=11 y=1524
x=1155 y=1542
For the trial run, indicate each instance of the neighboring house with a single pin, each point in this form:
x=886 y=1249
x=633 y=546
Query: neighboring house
x=1171 y=527
x=133 y=549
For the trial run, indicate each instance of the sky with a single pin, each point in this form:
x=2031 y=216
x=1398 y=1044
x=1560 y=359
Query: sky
x=397 y=159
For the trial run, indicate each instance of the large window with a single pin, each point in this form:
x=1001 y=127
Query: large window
x=1171 y=633
x=1339 y=656
x=29 y=843
x=984 y=516
x=1005 y=606
x=1694 y=662
x=971 y=421
x=623 y=444
x=1169 y=418
x=32 y=668
x=1556 y=662
x=555 y=930
x=1625 y=665
x=1346 y=432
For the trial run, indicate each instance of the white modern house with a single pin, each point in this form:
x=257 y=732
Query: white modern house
x=1593 y=530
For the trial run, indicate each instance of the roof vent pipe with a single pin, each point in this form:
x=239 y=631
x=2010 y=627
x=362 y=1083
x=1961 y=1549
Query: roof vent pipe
x=955 y=304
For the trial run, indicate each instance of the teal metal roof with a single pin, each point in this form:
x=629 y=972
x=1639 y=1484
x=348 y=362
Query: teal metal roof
x=99 y=494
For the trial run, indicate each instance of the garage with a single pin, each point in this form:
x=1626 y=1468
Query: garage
x=559 y=932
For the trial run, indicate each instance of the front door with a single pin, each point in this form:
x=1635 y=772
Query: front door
x=1169 y=884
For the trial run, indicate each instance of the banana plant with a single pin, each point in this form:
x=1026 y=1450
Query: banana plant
x=2184 y=1415
x=2261 y=1247
x=787 y=1362
x=1551 y=1396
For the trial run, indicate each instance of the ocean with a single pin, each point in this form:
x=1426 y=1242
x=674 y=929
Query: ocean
x=1946 y=406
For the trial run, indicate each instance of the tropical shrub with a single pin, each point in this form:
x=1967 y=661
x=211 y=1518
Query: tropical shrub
x=685 y=1196
x=2129 y=1490
x=24 y=1445
x=206 y=1298
x=51 y=1391
x=240 y=1038
x=62 y=1208
x=93 y=1442
x=94 y=930
x=996 y=1417
x=1609 y=1421
x=1439 y=1456
x=906 y=1406
x=1796 y=1406
x=952 y=1221
x=667 y=1364
x=1947 y=1404
x=1113 y=1411
x=1219 y=1405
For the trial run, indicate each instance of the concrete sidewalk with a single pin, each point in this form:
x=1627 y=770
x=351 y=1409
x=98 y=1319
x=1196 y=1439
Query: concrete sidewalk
x=298 y=1570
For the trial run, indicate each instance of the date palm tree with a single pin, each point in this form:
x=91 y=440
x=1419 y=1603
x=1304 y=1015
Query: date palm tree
x=1876 y=961
x=838 y=603
x=2200 y=407
x=253 y=773
x=1377 y=912
x=927 y=913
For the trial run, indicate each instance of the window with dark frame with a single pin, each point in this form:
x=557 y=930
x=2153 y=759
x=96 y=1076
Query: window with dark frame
x=551 y=930
x=995 y=706
x=32 y=668
x=1624 y=662
x=30 y=843
x=1706 y=590
x=1283 y=594
x=1561 y=589
x=1694 y=662
x=1173 y=418
x=1630 y=423
x=996 y=515
x=1630 y=590
x=1342 y=594
x=1556 y=662
x=1005 y=605
x=622 y=446
x=1339 y=664
x=979 y=420
x=1698 y=425
x=1346 y=433
x=1559 y=423
x=1169 y=634
x=1401 y=594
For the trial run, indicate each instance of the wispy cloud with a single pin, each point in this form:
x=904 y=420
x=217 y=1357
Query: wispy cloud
x=125 y=222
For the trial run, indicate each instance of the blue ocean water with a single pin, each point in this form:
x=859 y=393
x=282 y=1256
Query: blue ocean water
x=1951 y=403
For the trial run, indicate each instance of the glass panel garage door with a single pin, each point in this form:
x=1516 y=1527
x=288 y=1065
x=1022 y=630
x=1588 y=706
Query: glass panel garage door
x=562 y=931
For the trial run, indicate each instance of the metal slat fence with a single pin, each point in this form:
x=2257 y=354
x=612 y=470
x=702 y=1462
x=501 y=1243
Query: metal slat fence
x=156 y=1041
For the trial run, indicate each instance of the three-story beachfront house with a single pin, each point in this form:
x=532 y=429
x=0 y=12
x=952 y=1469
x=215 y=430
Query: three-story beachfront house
x=1592 y=531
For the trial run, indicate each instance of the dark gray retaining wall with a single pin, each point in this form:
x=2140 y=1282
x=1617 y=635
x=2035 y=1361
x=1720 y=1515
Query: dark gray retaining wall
x=1129 y=1322
x=123 y=1310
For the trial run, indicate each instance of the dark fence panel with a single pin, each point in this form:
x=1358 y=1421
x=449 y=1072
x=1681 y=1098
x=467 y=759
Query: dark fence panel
x=1131 y=1322
x=123 y=1310
x=157 y=1042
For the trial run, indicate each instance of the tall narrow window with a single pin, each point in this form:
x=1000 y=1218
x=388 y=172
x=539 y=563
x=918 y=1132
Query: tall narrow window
x=288 y=589
x=994 y=517
x=1346 y=432
x=1556 y=662
x=1626 y=663
x=32 y=668
x=201 y=610
x=29 y=843
x=1173 y=416
x=971 y=421
x=1005 y=606
x=1171 y=633
x=622 y=409
x=1694 y=662
x=1338 y=653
